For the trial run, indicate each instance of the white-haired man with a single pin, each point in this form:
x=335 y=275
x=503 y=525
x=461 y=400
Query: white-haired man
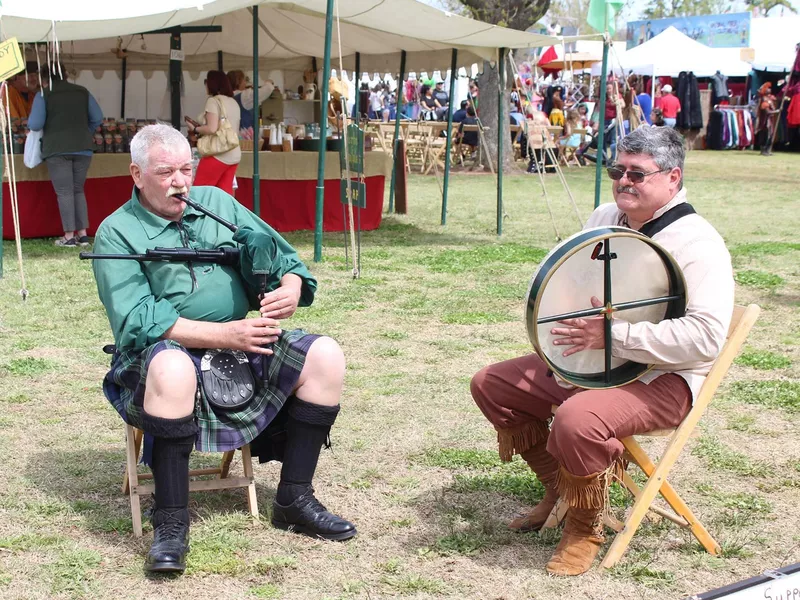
x=165 y=315
x=576 y=456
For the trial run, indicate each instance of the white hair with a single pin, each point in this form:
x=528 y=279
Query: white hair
x=160 y=134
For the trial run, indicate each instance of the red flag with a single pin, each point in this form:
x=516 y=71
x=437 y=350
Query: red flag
x=548 y=56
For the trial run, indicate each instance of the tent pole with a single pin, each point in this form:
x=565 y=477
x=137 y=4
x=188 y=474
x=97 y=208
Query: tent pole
x=449 y=141
x=601 y=125
x=501 y=93
x=357 y=83
x=323 y=132
x=175 y=73
x=219 y=61
x=256 y=118
x=399 y=105
x=124 y=78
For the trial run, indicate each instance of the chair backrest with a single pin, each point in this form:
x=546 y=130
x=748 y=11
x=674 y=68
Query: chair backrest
x=742 y=322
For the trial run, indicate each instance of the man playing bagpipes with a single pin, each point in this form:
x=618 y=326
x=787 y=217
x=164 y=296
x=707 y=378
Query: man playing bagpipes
x=167 y=379
x=577 y=456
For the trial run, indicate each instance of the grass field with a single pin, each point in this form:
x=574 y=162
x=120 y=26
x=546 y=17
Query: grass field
x=413 y=461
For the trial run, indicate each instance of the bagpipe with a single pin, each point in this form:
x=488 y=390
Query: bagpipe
x=257 y=258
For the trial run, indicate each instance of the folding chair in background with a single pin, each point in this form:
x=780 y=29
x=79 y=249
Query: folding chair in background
x=741 y=323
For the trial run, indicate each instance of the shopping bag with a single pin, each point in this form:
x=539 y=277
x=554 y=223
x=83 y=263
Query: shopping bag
x=33 y=149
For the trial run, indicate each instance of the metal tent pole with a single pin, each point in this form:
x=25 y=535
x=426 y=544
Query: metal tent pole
x=356 y=86
x=323 y=132
x=399 y=105
x=501 y=73
x=256 y=119
x=449 y=142
x=124 y=81
x=601 y=123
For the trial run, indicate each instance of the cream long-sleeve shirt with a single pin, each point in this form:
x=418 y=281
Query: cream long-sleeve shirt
x=688 y=345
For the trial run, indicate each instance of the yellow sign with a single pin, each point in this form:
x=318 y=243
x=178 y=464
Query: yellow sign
x=11 y=61
x=747 y=54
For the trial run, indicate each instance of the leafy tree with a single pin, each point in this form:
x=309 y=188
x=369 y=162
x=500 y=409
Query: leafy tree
x=515 y=14
x=767 y=5
x=660 y=9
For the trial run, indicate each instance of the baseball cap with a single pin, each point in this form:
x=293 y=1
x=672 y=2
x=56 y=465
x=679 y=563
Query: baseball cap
x=667 y=88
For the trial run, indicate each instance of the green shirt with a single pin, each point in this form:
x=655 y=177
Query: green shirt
x=144 y=299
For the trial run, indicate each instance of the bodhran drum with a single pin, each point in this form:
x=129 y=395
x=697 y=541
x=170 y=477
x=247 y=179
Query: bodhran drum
x=636 y=280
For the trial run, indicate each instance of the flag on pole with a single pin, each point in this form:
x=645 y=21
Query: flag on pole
x=597 y=14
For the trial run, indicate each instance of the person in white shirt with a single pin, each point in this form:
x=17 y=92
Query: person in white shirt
x=576 y=457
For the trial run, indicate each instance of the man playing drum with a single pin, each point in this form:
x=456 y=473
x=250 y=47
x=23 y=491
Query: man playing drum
x=165 y=314
x=576 y=457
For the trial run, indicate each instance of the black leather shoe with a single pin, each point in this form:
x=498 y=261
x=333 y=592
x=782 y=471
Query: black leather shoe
x=308 y=516
x=170 y=542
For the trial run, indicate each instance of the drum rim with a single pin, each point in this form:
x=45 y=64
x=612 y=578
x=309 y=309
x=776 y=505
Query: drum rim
x=532 y=316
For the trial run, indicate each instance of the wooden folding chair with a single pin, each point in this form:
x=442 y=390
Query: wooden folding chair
x=741 y=323
x=131 y=482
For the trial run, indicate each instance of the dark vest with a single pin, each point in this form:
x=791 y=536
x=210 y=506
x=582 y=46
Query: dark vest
x=247 y=116
x=66 y=129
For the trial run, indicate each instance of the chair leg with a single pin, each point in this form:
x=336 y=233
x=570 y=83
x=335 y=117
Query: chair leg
x=556 y=515
x=132 y=477
x=137 y=445
x=673 y=499
x=225 y=465
x=247 y=465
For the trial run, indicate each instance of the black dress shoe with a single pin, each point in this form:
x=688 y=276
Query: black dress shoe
x=170 y=542
x=306 y=515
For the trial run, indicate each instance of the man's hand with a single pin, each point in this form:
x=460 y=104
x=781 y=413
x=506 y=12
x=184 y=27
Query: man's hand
x=251 y=335
x=281 y=303
x=581 y=334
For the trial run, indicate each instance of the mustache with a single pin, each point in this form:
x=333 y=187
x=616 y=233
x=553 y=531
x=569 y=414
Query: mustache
x=174 y=191
x=625 y=189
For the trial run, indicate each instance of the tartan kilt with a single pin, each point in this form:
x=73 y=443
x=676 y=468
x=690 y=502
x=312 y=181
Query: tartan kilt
x=219 y=430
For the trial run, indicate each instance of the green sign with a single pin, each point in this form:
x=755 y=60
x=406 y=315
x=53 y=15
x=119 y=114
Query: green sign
x=358 y=193
x=355 y=150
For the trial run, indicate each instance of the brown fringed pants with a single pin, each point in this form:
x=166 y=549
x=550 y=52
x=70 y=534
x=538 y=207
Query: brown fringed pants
x=516 y=397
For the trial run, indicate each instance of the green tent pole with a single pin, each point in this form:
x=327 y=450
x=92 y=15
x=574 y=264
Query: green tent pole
x=501 y=94
x=399 y=105
x=256 y=119
x=358 y=82
x=601 y=126
x=323 y=132
x=448 y=143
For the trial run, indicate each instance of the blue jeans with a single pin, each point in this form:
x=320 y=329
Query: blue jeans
x=670 y=122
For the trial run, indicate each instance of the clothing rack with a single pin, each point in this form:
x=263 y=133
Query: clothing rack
x=739 y=106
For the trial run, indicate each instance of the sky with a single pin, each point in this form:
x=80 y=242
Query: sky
x=633 y=8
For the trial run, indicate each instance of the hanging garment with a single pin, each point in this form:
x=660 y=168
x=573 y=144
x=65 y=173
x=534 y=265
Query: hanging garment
x=793 y=113
x=714 y=130
x=719 y=88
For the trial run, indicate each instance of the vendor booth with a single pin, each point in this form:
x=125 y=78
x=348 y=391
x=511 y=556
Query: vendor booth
x=135 y=76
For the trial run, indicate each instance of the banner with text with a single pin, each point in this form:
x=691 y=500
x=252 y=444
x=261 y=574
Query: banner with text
x=717 y=31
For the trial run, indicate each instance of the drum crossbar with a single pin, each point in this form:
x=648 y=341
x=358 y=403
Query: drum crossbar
x=607 y=300
x=593 y=312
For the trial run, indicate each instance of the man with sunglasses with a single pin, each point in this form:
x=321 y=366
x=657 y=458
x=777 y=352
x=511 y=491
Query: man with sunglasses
x=577 y=457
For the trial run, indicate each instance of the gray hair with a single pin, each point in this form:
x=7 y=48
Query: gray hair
x=663 y=144
x=146 y=138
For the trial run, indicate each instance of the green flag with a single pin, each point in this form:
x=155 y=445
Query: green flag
x=597 y=14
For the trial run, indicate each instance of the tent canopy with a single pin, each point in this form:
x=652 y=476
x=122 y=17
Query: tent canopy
x=671 y=52
x=377 y=29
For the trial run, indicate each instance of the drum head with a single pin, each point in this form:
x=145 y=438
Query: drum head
x=644 y=282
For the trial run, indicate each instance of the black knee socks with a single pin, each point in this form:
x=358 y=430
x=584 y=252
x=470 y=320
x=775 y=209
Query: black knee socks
x=170 y=464
x=307 y=429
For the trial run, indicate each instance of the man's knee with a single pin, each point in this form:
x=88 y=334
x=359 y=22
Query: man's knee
x=325 y=360
x=171 y=378
x=575 y=425
x=479 y=384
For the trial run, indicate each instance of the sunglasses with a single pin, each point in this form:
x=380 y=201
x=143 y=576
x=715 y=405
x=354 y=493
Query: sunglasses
x=617 y=173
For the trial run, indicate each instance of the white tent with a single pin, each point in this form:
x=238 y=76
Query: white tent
x=377 y=29
x=671 y=52
x=774 y=41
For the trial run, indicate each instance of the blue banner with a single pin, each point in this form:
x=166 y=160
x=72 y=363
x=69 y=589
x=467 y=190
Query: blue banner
x=716 y=31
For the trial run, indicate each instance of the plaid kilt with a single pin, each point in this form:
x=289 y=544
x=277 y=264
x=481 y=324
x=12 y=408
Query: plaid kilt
x=124 y=386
